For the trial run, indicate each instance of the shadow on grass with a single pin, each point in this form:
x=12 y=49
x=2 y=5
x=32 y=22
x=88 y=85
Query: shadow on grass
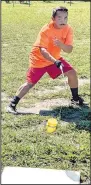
x=81 y=116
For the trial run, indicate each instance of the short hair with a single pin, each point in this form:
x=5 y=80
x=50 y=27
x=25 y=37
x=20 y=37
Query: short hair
x=61 y=8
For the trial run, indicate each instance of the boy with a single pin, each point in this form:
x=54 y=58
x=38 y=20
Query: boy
x=45 y=57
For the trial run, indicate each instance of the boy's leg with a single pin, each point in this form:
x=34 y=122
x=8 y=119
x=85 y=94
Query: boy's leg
x=71 y=73
x=73 y=83
x=23 y=89
x=72 y=78
x=33 y=76
x=68 y=70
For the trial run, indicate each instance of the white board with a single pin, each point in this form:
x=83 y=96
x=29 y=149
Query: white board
x=21 y=175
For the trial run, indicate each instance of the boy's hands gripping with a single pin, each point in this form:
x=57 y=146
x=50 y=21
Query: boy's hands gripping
x=58 y=63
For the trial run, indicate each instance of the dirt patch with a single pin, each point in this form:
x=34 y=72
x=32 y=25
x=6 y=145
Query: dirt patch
x=83 y=81
x=61 y=87
x=4 y=96
x=49 y=91
x=46 y=106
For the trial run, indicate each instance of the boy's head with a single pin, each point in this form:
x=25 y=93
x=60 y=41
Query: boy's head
x=60 y=16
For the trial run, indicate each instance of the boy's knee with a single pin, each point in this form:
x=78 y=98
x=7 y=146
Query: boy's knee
x=30 y=85
x=73 y=72
x=26 y=84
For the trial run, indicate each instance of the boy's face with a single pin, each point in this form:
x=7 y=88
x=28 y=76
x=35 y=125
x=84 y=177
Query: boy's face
x=60 y=19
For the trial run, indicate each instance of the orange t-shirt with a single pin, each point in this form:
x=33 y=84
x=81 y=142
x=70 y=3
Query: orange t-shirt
x=45 y=39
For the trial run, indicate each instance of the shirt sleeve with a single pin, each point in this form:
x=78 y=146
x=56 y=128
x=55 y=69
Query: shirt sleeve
x=43 y=40
x=69 y=37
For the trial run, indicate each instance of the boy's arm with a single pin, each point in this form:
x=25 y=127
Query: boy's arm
x=68 y=45
x=49 y=57
x=64 y=47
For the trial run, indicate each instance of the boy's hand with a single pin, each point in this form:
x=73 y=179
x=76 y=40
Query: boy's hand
x=65 y=48
x=57 y=42
x=58 y=63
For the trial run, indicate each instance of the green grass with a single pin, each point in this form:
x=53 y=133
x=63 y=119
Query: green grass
x=24 y=139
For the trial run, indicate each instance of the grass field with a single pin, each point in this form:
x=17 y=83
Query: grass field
x=24 y=140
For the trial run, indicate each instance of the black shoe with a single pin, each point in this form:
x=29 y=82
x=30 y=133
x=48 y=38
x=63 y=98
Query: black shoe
x=12 y=109
x=79 y=101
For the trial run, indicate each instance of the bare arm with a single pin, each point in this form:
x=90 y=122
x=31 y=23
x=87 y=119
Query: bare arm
x=64 y=47
x=47 y=55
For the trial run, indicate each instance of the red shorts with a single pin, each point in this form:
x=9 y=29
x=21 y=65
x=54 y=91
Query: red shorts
x=34 y=74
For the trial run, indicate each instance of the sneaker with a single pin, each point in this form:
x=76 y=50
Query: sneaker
x=78 y=102
x=12 y=109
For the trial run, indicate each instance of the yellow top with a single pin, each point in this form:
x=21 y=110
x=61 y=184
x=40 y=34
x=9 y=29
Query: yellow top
x=52 y=122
